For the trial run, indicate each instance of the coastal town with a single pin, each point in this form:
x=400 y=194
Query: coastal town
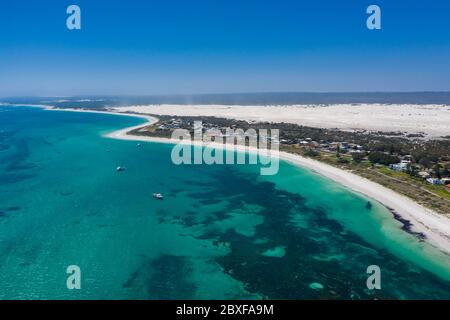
x=409 y=164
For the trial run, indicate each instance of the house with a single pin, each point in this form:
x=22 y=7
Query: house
x=310 y=143
x=344 y=146
x=423 y=174
x=402 y=166
x=407 y=157
x=434 y=181
x=333 y=146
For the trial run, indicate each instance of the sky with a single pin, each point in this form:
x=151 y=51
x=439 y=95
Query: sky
x=139 y=47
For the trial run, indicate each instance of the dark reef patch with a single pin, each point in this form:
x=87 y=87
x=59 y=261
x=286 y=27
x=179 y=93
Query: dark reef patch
x=322 y=251
x=407 y=225
x=10 y=178
x=170 y=278
x=19 y=167
x=166 y=277
x=131 y=281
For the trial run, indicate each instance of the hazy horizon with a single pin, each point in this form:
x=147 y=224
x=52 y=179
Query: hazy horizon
x=249 y=98
x=224 y=93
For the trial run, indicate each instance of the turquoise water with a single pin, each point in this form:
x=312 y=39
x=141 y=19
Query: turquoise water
x=222 y=232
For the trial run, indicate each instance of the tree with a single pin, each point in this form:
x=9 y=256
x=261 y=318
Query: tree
x=445 y=172
x=391 y=149
x=358 y=156
x=342 y=160
x=412 y=170
x=428 y=160
x=437 y=171
x=311 y=153
x=382 y=158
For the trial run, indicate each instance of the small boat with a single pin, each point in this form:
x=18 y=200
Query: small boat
x=119 y=168
x=368 y=205
x=139 y=145
x=158 y=196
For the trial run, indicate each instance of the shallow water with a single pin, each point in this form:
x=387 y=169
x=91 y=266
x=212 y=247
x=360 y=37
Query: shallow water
x=221 y=232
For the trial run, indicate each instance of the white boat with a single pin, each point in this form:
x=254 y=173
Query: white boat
x=158 y=196
x=119 y=168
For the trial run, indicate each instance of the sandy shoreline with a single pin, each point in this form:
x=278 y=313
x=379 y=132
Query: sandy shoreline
x=434 y=226
x=433 y=120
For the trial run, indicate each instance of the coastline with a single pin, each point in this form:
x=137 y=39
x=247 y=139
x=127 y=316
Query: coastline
x=434 y=226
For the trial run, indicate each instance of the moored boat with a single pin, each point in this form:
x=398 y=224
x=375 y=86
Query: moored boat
x=158 y=196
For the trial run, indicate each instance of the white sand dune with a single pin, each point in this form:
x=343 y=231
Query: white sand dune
x=433 y=120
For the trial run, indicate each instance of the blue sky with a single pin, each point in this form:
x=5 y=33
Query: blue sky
x=205 y=46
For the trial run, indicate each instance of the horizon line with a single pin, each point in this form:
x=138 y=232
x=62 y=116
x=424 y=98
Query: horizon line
x=224 y=93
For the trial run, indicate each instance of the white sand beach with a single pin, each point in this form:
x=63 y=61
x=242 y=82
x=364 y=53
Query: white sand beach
x=436 y=227
x=433 y=120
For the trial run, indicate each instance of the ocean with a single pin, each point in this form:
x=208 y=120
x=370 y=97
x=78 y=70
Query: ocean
x=221 y=232
x=244 y=99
